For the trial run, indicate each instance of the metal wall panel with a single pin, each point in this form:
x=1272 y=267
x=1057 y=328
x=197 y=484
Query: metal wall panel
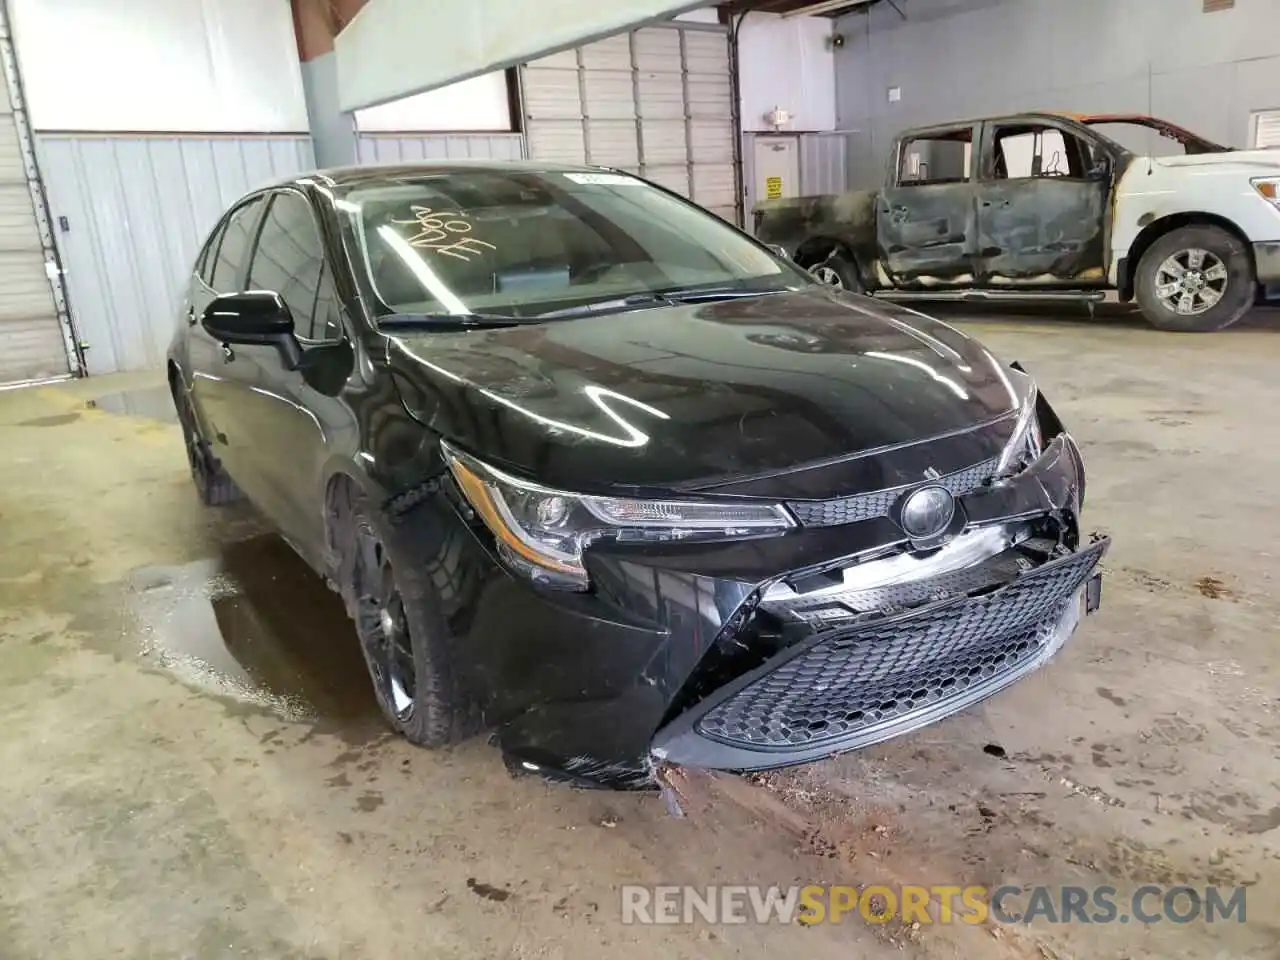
x=408 y=147
x=133 y=213
x=823 y=164
x=32 y=345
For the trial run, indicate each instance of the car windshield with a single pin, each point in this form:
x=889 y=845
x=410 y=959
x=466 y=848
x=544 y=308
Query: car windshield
x=526 y=243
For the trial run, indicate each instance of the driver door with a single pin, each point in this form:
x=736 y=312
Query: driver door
x=1043 y=207
x=290 y=416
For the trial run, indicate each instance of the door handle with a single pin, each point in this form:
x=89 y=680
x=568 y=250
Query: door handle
x=995 y=203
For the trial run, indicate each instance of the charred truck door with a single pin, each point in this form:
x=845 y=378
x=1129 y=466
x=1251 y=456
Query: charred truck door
x=1042 y=206
x=926 y=223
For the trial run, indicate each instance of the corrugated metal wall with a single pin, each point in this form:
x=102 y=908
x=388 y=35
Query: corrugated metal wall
x=130 y=215
x=398 y=147
x=656 y=102
x=822 y=163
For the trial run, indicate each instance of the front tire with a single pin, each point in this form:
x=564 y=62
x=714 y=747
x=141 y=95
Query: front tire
x=406 y=640
x=1195 y=279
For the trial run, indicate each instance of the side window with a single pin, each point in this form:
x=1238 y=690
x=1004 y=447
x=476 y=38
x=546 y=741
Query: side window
x=1021 y=153
x=290 y=261
x=233 y=247
x=208 y=254
x=936 y=158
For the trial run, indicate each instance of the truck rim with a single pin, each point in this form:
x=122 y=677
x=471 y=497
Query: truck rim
x=827 y=275
x=1191 y=282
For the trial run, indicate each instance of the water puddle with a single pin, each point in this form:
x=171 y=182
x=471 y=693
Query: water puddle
x=255 y=625
x=154 y=403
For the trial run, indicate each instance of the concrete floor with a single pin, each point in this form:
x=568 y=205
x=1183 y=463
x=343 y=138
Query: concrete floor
x=193 y=766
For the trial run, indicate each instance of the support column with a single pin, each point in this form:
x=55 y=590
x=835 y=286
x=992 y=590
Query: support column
x=316 y=23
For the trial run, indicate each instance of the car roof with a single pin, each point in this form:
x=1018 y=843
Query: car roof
x=390 y=172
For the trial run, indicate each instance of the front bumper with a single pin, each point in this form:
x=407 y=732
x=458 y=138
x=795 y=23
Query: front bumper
x=845 y=689
x=674 y=656
x=1266 y=259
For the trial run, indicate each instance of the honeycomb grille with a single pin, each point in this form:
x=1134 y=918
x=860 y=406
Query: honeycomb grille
x=868 y=506
x=851 y=682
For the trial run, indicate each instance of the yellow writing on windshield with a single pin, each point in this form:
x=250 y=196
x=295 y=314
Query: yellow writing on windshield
x=445 y=232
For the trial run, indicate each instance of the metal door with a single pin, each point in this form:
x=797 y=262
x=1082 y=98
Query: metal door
x=655 y=101
x=777 y=168
x=927 y=234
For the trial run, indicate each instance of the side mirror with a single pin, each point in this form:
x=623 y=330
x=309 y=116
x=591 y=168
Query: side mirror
x=257 y=317
x=1099 y=171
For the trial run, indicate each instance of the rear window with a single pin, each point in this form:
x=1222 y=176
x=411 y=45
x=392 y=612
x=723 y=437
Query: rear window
x=233 y=249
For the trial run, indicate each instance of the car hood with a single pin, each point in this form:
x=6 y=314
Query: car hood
x=1265 y=161
x=690 y=395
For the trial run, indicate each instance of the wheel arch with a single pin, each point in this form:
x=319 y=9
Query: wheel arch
x=1156 y=229
x=344 y=482
x=816 y=249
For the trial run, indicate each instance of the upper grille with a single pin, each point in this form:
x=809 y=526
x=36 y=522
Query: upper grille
x=849 y=685
x=868 y=506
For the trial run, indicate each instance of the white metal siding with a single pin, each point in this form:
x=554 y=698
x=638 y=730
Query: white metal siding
x=656 y=101
x=401 y=147
x=137 y=211
x=31 y=338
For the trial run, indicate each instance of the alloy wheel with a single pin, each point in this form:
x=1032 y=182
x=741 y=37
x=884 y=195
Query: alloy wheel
x=828 y=275
x=1191 y=282
x=384 y=628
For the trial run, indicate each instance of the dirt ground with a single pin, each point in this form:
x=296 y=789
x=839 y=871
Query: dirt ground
x=192 y=765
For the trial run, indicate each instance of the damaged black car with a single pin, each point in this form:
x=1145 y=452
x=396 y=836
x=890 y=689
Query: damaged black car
x=595 y=471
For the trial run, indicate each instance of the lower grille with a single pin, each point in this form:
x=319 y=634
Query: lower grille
x=848 y=685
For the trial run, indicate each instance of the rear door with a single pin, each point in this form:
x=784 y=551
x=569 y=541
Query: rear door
x=216 y=375
x=1042 y=206
x=926 y=221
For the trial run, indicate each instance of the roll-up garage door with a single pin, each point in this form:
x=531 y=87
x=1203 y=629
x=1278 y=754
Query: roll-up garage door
x=31 y=333
x=656 y=102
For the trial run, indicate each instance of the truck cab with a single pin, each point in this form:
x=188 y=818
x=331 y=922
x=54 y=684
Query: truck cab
x=1049 y=207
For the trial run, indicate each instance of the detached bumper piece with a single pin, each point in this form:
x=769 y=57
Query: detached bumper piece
x=847 y=688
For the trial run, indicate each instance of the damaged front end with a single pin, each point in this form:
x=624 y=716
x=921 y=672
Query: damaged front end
x=843 y=652
x=846 y=656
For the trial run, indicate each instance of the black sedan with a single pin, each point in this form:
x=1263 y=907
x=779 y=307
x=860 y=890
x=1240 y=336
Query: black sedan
x=593 y=469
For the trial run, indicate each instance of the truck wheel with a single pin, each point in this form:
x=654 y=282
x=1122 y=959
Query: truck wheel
x=838 y=272
x=1195 y=280
x=406 y=640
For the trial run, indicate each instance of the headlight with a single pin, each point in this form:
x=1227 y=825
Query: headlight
x=543 y=532
x=1026 y=444
x=1268 y=188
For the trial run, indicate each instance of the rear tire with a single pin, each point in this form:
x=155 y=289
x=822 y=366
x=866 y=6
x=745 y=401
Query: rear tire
x=213 y=484
x=406 y=640
x=1195 y=279
x=838 y=271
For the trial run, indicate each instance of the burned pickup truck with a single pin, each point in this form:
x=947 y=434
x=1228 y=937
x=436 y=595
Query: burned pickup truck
x=1043 y=206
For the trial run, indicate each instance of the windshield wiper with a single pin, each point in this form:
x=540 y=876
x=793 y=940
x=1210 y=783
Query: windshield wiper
x=711 y=294
x=665 y=298
x=463 y=321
